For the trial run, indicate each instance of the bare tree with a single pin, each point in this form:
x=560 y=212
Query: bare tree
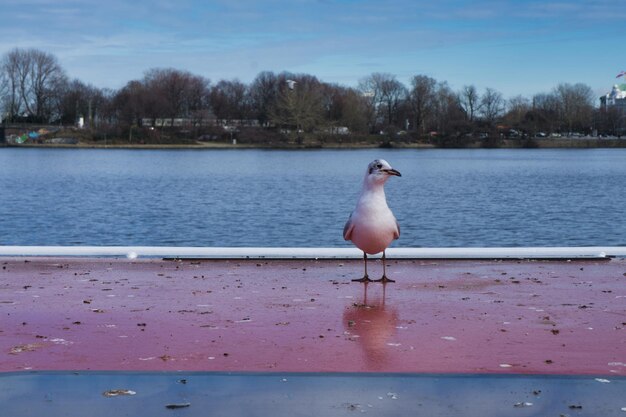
x=518 y=106
x=492 y=105
x=10 y=96
x=300 y=107
x=353 y=110
x=129 y=105
x=546 y=109
x=263 y=93
x=442 y=111
x=163 y=93
x=229 y=100
x=81 y=100
x=4 y=93
x=470 y=101
x=519 y=114
x=611 y=120
x=34 y=83
x=393 y=94
x=174 y=93
x=575 y=105
x=386 y=94
x=448 y=114
x=47 y=82
x=19 y=64
x=329 y=94
x=422 y=100
x=370 y=101
x=39 y=79
x=198 y=99
x=344 y=106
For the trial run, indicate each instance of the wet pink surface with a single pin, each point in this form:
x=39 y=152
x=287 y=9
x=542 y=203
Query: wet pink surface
x=544 y=317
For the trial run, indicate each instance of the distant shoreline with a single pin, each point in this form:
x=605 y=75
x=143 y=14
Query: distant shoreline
x=541 y=143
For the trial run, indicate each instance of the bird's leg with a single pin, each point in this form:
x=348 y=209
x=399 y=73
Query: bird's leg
x=384 y=278
x=365 y=294
x=365 y=278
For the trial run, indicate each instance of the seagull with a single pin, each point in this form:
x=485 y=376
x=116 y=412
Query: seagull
x=291 y=84
x=372 y=226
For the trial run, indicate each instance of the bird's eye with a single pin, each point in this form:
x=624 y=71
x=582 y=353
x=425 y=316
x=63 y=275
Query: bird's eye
x=379 y=166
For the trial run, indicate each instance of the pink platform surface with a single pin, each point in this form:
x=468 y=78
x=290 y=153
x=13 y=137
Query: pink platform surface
x=442 y=316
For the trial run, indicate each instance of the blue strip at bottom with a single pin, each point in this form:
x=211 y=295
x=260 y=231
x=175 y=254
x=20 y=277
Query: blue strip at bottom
x=106 y=394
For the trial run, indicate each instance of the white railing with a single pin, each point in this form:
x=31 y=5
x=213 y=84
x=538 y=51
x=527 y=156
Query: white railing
x=133 y=252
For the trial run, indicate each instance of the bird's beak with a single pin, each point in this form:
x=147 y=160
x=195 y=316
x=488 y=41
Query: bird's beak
x=392 y=172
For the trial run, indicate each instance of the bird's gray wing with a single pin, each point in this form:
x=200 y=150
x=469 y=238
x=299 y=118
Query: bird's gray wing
x=396 y=233
x=347 y=229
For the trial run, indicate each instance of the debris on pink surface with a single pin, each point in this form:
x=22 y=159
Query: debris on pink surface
x=443 y=316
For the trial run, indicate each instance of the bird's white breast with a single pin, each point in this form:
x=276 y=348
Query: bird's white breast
x=374 y=223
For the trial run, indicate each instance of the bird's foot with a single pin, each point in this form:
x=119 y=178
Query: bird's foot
x=384 y=280
x=365 y=279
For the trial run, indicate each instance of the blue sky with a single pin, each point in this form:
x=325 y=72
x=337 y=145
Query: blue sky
x=517 y=47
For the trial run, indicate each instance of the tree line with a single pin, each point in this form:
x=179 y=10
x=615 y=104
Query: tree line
x=35 y=88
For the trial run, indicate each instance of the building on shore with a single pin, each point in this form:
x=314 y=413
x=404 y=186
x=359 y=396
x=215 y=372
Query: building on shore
x=615 y=99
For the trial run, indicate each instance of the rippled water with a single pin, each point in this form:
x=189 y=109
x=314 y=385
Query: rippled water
x=455 y=198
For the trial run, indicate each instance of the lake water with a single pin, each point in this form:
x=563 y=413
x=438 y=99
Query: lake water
x=445 y=198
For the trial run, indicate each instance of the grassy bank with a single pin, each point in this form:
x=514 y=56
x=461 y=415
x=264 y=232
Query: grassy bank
x=506 y=144
x=218 y=145
x=79 y=138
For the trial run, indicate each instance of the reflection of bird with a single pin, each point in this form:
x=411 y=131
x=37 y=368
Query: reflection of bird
x=291 y=84
x=372 y=226
x=375 y=324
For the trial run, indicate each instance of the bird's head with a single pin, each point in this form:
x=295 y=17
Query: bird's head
x=379 y=171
